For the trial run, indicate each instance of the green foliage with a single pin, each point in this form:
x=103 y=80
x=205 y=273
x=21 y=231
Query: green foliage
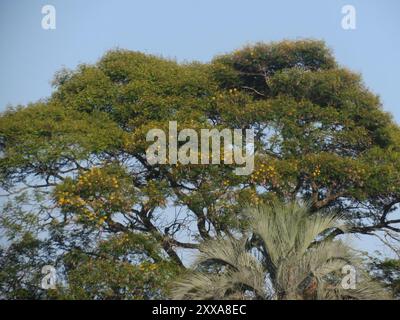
x=20 y=269
x=250 y=65
x=321 y=136
x=128 y=266
x=387 y=271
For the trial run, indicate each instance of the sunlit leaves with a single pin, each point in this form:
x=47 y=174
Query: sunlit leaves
x=97 y=194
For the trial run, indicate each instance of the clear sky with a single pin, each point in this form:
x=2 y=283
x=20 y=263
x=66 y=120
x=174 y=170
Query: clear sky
x=190 y=30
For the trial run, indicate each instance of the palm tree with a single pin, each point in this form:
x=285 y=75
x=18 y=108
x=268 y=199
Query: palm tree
x=286 y=253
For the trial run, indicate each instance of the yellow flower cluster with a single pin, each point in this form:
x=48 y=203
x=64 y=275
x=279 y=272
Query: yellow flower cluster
x=148 y=267
x=355 y=174
x=93 y=216
x=122 y=239
x=316 y=172
x=264 y=173
x=356 y=171
x=233 y=91
x=63 y=198
x=67 y=198
x=225 y=182
x=102 y=220
x=254 y=199
x=94 y=196
x=95 y=177
x=89 y=214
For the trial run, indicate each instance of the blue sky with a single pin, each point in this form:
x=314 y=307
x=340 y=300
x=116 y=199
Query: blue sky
x=190 y=30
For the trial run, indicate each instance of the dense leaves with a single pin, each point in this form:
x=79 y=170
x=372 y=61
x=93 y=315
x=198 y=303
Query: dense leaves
x=321 y=135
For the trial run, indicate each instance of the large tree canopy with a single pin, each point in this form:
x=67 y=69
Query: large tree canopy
x=320 y=135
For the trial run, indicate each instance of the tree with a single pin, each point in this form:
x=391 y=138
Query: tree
x=20 y=266
x=387 y=271
x=89 y=265
x=285 y=254
x=127 y=266
x=320 y=135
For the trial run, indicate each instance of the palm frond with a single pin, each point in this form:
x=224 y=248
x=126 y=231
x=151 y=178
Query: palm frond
x=299 y=260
